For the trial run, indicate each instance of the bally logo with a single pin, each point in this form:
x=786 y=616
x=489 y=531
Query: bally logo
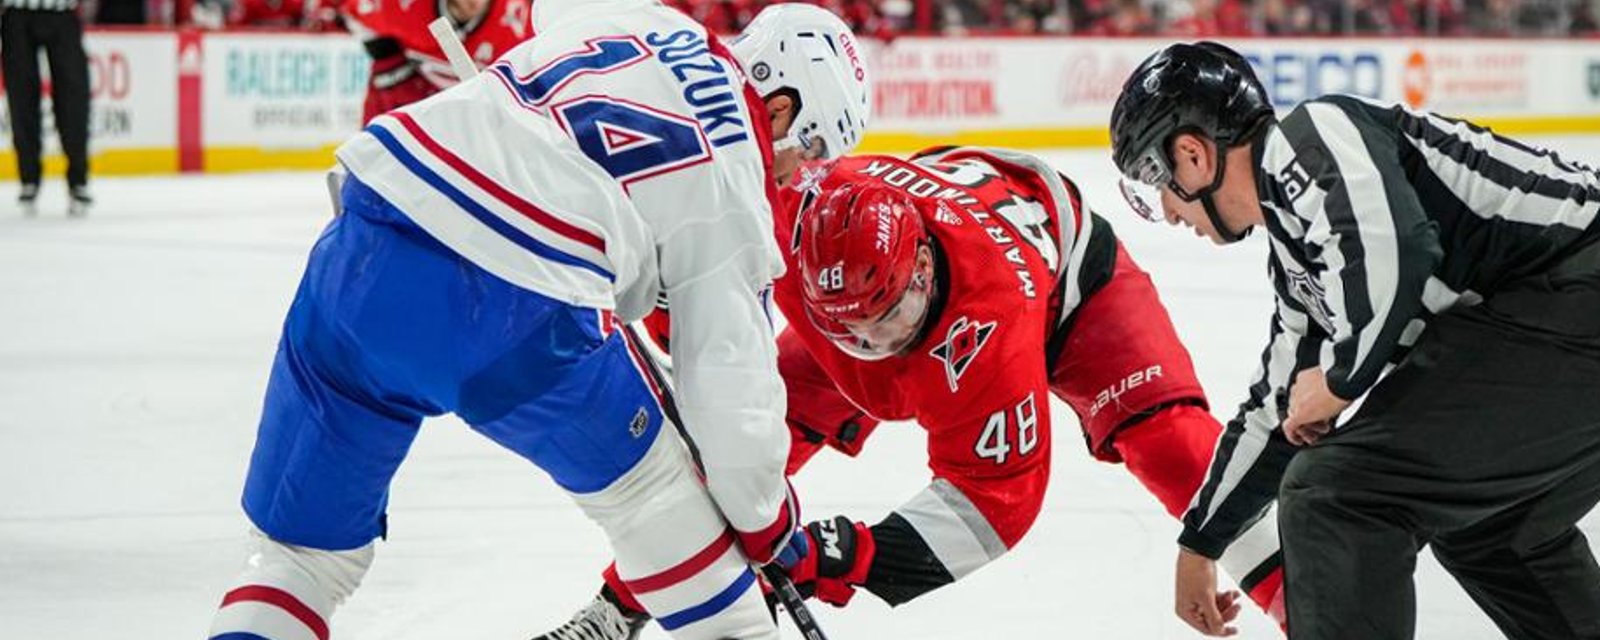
x=960 y=347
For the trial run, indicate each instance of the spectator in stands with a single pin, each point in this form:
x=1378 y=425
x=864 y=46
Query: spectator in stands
x=1490 y=17
x=1036 y=16
x=119 y=12
x=863 y=16
x=1583 y=19
x=1284 y=17
x=1127 y=18
x=52 y=25
x=897 y=16
x=280 y=14
x=1367 y=17
x=719 y=16
x=1211 y=19
x=961 y=16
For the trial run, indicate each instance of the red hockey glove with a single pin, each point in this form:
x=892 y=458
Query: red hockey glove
x=840 y=553
x=395 y=80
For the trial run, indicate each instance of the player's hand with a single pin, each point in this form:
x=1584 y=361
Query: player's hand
x=1197 y=601
x=1312 y=408
x=840 y=553
x=394 y=82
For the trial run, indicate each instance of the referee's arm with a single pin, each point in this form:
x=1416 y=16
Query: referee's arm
x=1252 y=453
x=1366 y=227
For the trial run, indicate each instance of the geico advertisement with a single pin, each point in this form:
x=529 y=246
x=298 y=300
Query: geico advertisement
x=281 y=90
x=937 y=84
x=132 y=93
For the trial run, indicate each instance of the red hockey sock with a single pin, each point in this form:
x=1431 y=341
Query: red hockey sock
x=624 y=597
x=1268 y=594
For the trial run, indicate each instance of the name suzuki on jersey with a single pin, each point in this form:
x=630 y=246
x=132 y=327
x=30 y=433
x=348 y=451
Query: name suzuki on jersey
x=706 y=84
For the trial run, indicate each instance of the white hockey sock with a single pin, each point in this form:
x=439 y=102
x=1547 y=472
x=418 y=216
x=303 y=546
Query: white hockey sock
x=288 y=592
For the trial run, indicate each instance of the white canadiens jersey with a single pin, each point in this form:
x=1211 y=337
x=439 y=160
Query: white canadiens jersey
x=617 y=155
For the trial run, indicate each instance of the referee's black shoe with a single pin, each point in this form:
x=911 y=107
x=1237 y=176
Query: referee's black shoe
x=80 y=202
x=28 y=200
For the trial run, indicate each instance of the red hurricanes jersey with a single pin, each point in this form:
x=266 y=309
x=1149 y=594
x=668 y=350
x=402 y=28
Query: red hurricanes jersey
x=502 y=26
x=1010 y=233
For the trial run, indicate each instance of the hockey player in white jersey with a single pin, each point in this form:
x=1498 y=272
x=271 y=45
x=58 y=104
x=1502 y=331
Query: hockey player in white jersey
x=494 y=241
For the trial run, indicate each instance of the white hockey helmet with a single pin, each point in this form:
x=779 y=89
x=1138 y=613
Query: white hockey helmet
x=812 y=53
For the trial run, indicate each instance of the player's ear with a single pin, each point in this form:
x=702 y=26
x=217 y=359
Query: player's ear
x=781 y=108
x=1189 y=150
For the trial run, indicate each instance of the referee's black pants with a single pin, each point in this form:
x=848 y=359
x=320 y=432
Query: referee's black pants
x=60 y=33
x=1484 y=443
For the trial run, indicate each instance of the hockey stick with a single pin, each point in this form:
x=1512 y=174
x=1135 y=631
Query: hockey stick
x=790 y=598
x=782 y=586
x=445 y=34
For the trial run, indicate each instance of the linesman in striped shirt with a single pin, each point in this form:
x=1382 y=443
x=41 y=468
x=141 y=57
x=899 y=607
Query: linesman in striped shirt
x=1447 y=277
x=27 y=26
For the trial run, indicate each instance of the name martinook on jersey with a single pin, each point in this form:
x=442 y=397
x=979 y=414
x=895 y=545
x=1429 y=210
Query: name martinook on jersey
x=922 y=186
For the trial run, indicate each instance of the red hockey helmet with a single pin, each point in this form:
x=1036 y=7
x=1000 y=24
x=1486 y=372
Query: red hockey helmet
x=865 y=283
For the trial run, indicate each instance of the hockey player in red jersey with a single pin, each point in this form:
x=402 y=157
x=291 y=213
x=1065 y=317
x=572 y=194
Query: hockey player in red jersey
x=407 y=64
x=961 y=289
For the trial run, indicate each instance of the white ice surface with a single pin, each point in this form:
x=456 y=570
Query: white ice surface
x=134 y=349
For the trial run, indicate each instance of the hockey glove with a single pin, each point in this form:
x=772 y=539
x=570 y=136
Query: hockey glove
x=395 y=80
x=840 y=554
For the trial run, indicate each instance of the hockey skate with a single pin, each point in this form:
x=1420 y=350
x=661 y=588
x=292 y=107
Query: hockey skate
x=80 y=202
x=28 y=200
x=602 y=619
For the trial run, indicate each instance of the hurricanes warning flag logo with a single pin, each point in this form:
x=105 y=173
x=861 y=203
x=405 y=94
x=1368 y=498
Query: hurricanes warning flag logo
x=961 y=345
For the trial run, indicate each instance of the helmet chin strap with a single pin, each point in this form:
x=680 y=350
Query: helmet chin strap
x=1228 y=236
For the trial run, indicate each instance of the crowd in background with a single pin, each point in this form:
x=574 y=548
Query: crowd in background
x=1198 y=18
x=887 y=18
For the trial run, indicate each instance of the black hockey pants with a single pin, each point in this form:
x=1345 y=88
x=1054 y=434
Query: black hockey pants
x=1484 y=443
x=23 y=33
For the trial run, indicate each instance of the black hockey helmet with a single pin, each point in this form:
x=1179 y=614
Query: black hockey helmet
x=1204 y=88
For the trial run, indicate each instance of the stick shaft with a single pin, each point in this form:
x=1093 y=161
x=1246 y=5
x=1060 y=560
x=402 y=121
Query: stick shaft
x=790 y=598
x=445 y=34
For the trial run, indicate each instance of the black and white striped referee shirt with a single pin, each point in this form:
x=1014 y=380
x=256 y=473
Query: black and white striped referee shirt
x=41 y=5
x=1378 y=218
